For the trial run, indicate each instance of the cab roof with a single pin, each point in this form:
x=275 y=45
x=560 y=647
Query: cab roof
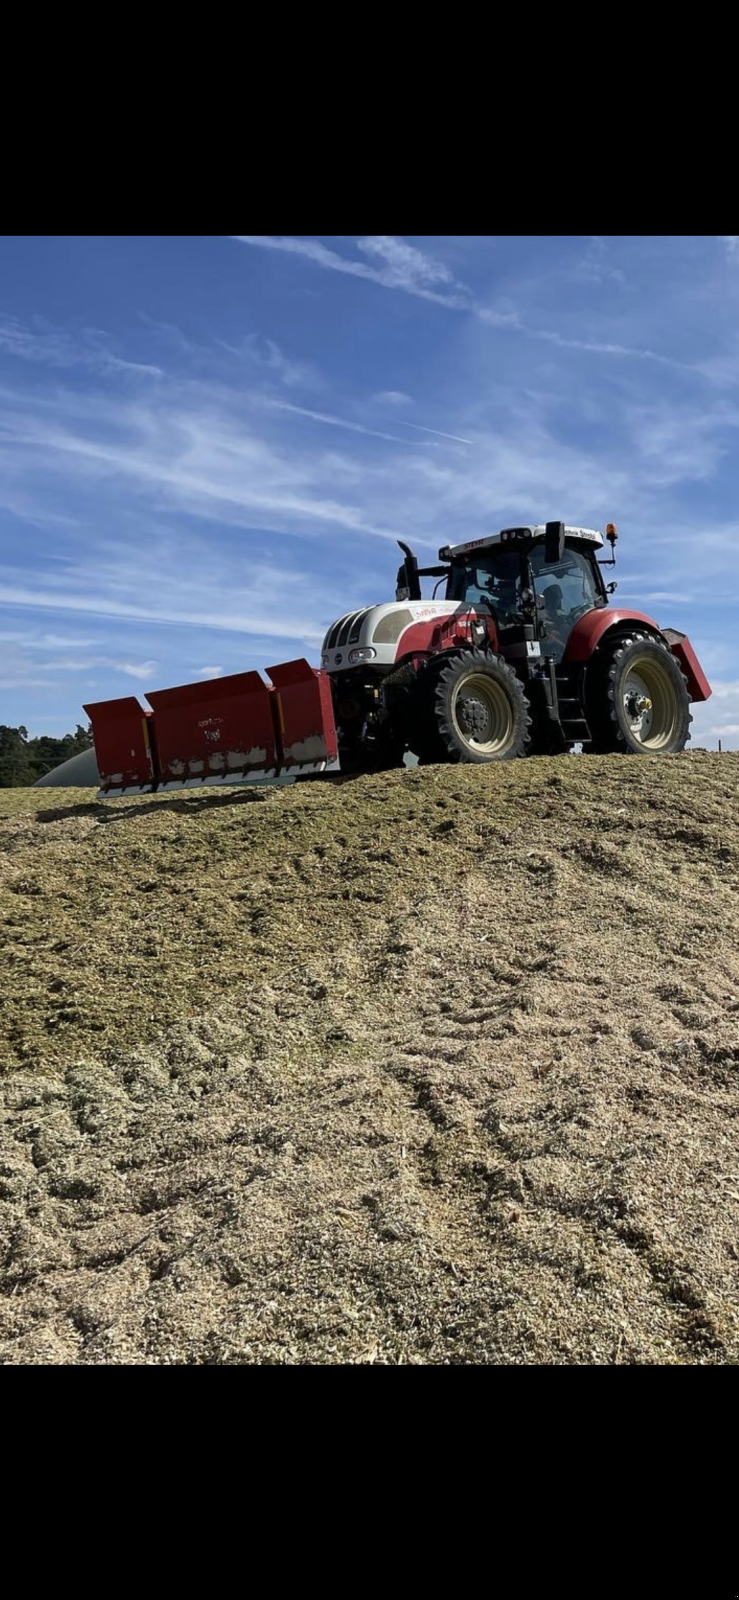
x=534 y=531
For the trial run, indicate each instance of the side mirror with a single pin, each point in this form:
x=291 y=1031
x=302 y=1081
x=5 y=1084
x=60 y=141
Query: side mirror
x=554 y=542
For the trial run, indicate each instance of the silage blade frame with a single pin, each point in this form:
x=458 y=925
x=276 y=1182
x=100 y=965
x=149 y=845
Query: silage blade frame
x=224 y=732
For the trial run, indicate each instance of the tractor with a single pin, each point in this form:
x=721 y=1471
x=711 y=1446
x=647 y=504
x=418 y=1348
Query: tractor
x=524 y=655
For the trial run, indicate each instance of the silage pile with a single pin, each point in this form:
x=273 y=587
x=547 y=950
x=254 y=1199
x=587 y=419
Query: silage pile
x=435 y=1066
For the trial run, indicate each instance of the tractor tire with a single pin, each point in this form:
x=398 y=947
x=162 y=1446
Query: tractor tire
x=638 y=703
x=478 y=711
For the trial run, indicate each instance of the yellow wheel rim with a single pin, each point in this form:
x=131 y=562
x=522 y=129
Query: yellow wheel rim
x=650 y=703
x=482 y=713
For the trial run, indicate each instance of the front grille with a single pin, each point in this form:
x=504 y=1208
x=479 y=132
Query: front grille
x=333 y=635
x=346 y=630
x=345 y=627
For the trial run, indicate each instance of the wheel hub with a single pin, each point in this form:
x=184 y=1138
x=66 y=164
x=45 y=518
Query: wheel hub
x=475 y=718
x=637 y=704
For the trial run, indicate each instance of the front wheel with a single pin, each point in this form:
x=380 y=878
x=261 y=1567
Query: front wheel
x=480 y=710
x=639 y=699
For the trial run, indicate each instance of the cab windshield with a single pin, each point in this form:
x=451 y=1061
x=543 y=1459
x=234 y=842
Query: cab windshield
x=496 y=578
x=492 y=578
x=565 y=590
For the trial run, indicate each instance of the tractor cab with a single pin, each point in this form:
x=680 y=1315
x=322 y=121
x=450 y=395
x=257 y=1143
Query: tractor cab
x=536 y=581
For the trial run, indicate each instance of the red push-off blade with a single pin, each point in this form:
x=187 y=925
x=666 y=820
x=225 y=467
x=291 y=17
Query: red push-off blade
x=230 y=730
x=306 y=717
x=215 y=733
x=120 y=730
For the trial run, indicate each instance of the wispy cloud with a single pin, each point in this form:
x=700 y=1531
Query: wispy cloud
x=209 y=464
x=392 y=397
x=267 y=355
x=731 y=241
x=130 y=669
x=395 y=265
x=100 y=603
x=91 y=348
x=596 y=264
x=409 y=270
x=209 y=672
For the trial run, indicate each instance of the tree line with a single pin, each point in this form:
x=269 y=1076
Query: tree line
x=23 y=760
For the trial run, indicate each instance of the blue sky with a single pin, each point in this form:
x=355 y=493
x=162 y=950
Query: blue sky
x=209 y=445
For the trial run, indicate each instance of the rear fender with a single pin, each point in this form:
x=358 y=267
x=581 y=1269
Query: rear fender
x=588 y=633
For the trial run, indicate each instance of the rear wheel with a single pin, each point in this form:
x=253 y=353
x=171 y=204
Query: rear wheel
x=639 y=699
x=476 y=711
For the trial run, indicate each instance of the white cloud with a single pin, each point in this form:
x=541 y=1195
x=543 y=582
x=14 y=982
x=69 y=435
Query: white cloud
x=130 y=669
x=46 y=347
x=407 y=267
x=209 y=464
x=209 y=672
x=411 y=271
x=392 y=397
x=267 y=355
x=596 y=265
x=403 y=266
x=731 y=240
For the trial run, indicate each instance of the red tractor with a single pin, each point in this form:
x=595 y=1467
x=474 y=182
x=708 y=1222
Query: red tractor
x=524 y=655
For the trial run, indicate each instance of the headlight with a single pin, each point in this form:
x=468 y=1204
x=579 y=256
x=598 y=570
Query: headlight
x=367 y=654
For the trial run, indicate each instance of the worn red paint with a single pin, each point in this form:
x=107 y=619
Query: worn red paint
x=217 y=732
x=305 y=714
x=123 y=747
x=208 y=730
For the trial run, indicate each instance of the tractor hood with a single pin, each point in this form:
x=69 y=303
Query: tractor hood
x=377 y=629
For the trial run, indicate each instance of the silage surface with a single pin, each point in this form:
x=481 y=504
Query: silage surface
x=433 y=1066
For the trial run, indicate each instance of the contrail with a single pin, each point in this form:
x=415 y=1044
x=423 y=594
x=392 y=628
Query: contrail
x=421 y=429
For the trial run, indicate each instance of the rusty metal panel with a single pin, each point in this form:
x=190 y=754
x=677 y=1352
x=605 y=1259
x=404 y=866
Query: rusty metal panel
x=305 y=717
x=123 y=751
x=214 y=733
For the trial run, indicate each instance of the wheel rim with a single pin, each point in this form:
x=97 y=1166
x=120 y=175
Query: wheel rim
x=482 y=714
x=650 y=704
